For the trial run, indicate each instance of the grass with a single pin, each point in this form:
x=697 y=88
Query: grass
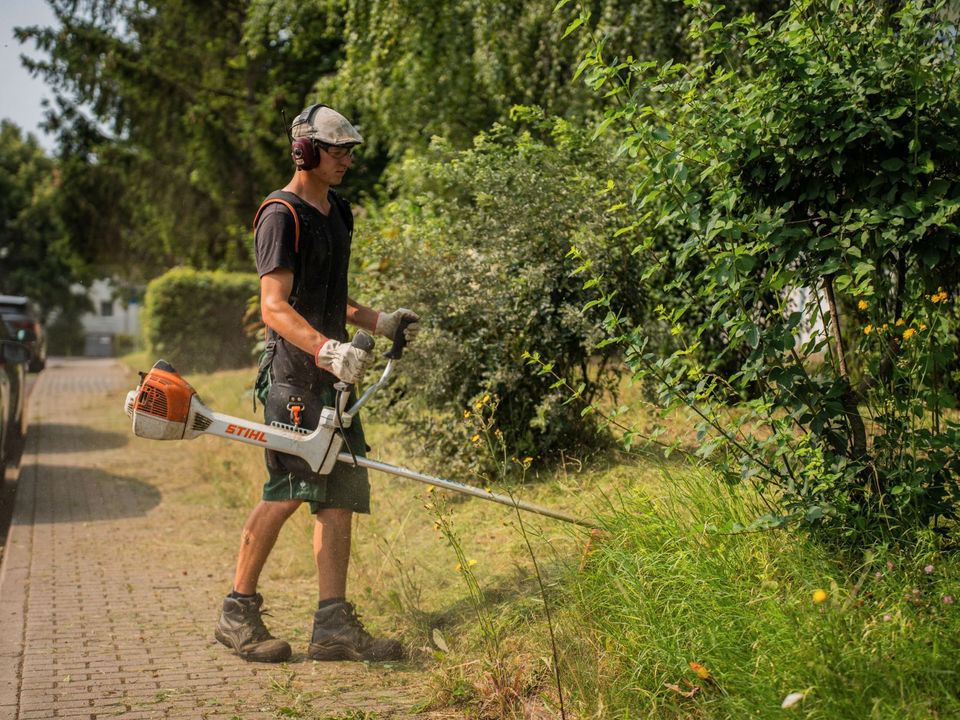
x=661 y=599
x=634 y=605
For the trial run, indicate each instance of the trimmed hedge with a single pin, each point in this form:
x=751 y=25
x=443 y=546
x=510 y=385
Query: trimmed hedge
x=195 y=319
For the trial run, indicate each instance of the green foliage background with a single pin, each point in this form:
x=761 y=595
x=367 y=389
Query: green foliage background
x=499 y=219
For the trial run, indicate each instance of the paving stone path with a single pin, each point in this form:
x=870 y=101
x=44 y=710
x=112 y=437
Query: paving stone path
x=103 y=612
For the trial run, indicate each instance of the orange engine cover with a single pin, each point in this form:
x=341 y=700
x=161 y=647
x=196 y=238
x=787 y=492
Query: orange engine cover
x=165 y=395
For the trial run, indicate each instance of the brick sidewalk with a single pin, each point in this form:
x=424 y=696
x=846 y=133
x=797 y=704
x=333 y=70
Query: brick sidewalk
x=93 y=624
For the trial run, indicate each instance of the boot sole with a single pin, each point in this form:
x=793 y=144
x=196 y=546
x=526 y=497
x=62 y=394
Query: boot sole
x=328 y=653
x=251 y=657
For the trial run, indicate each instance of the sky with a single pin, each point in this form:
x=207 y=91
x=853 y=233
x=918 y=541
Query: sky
x=21 y=94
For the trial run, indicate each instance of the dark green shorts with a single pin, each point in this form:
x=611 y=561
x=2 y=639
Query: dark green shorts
x=345 y=487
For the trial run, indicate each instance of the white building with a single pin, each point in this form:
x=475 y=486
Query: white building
x=111 y=317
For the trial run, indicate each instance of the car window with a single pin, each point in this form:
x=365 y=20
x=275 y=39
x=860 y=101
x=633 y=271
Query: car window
x=8 y=308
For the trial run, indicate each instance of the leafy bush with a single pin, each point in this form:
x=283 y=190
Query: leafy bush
x=475 y=242
x=194 y=319
x=813 y=165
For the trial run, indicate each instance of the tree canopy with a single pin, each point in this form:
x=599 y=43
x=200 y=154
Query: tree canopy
x=36 y=255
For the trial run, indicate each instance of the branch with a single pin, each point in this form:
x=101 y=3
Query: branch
x=858 y=433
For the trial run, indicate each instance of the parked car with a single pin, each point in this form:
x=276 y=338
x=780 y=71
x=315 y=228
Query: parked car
x=20 y=314
x=14 y=357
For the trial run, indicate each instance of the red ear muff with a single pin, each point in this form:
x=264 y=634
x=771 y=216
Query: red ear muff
x=304 y=154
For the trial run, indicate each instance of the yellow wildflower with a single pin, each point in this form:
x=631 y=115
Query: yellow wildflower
x=475 y=439
x=466 y=414
x=486 y=398
x=899 y=322
x=923 y=326
x=868 y=329
x=863 y=305
x=819 y=596
x=908 y=333
x=702 y=672
x=885 y=326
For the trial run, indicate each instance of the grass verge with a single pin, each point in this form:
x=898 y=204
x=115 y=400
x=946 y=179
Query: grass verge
x=668 y=619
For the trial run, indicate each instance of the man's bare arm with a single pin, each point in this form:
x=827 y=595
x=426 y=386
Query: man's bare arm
x=279 y=314
x=361 y=316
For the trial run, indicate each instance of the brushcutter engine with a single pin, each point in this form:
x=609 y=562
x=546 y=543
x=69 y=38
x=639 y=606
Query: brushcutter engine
x=166 y=407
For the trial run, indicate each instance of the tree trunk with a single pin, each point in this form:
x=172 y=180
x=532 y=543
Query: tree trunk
x=858 y=433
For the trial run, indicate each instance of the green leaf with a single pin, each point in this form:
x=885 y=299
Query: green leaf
x=573 y=26
x=892 y=164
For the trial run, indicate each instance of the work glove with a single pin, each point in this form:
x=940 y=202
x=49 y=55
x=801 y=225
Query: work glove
x=347 y=362
x=389 y=323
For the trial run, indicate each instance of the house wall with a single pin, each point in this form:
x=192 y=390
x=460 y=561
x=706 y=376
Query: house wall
x=111 y=317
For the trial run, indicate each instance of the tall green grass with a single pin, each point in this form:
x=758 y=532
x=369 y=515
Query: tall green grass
x=660 y=589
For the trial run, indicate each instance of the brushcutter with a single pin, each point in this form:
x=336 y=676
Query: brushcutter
x=165 y=407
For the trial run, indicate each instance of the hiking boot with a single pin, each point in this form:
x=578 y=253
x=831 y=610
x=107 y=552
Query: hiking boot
x=241 y=628
x=338 y=634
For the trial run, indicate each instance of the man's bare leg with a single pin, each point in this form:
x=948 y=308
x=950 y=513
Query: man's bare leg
x=240 y=626
x=331 y=550
x=338 y=633
x=257 y=540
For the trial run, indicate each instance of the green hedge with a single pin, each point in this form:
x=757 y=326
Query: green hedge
x=195 y=319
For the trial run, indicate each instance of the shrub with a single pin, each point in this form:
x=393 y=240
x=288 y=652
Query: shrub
x=476 y=242
x=194 y=319
x=812 y=156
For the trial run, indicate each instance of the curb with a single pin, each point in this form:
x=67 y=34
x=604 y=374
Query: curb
x=15 y=576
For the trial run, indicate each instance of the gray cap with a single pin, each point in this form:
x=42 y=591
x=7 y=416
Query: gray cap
x=326 y=125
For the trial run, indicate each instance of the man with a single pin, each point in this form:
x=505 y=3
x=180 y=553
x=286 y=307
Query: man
x=302 y=238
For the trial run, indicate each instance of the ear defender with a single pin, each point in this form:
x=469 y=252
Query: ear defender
x=303 y=150
x=304 y=154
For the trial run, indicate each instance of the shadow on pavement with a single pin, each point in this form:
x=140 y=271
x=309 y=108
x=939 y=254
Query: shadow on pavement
x=62 y=438
x=72 y=494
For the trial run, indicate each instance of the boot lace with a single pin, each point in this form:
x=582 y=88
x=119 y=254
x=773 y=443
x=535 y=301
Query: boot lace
x=353 y=620
x=254 y=620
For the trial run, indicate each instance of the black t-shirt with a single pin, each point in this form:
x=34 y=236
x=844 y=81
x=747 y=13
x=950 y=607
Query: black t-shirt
x=320 y=265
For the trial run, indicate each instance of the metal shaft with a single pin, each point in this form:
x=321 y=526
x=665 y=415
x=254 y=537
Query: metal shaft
x=464 y=489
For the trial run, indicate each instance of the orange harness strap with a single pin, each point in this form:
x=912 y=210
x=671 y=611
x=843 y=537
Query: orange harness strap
x=296 y=241
x=296 y=219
